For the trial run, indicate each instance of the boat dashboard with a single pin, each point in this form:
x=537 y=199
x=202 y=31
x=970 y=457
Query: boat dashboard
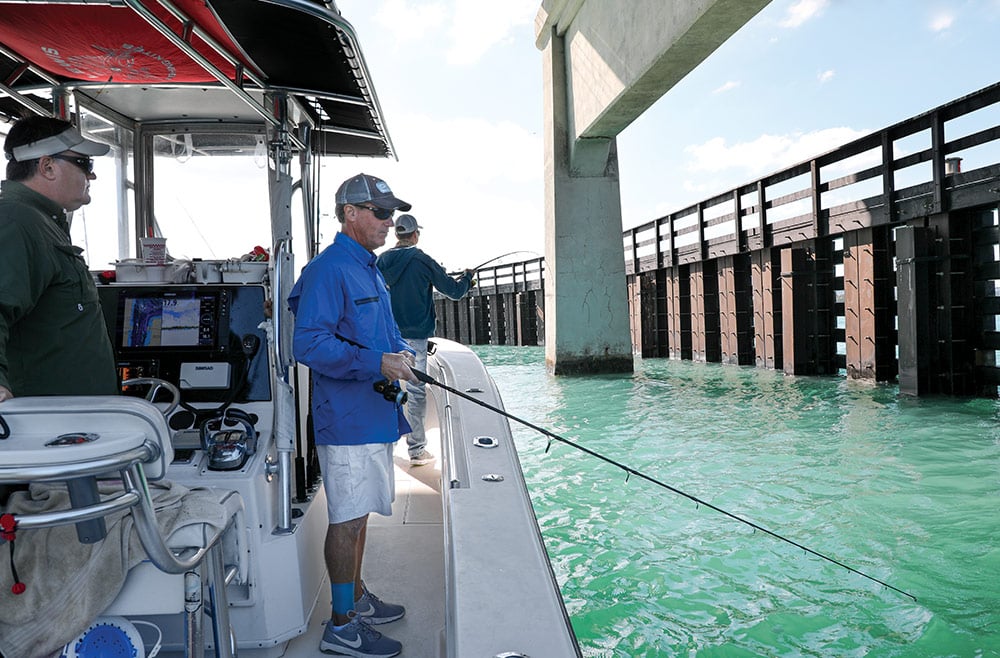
x=209 y=341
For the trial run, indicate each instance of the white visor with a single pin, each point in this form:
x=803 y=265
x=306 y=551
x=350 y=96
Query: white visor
x=68 y=140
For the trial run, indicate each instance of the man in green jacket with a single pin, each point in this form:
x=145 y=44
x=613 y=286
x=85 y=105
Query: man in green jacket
x=53 y=339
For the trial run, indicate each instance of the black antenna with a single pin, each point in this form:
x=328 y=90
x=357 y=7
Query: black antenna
x=629 y=471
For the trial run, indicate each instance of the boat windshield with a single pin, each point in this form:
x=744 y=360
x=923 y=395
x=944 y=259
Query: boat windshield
x=209 y=196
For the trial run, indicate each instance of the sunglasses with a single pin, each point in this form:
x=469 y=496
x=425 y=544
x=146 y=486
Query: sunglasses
x=83 y=162
x=380 y=213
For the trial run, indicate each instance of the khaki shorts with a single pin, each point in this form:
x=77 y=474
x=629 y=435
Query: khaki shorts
x=358 y=480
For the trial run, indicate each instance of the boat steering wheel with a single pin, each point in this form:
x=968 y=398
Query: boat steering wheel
x=155 y=386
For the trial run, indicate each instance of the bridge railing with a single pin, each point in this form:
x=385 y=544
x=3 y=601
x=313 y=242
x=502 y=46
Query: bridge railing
x=898 y=173
x=510 y=277
x=506 y=307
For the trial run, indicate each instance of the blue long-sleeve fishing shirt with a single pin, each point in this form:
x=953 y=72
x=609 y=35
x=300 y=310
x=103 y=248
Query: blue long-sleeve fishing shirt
x=341 y=295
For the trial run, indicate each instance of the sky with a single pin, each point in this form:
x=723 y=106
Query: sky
x=460 y=83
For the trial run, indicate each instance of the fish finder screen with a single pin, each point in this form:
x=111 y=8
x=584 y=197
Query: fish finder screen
x=169 y=320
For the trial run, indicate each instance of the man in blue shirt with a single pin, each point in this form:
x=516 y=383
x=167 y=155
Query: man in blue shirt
x=412 y=276
x=346 y=334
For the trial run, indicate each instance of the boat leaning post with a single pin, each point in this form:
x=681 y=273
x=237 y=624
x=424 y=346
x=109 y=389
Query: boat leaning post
x=120 y=444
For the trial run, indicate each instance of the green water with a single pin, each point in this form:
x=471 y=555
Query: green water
x=906 y=490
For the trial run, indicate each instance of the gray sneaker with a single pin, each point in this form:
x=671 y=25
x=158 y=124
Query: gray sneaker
x=358 y=639
x=374 y=610
x=421 y=458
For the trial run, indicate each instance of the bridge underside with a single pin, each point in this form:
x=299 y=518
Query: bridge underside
x=603 y=67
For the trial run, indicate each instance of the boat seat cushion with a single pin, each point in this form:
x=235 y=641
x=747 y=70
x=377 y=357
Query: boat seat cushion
x=112 y=423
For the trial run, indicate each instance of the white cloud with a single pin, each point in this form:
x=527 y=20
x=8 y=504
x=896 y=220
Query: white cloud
x=476 y=185
x=765 y=154
x=942 y=22
x=478 y=26
x=445 y=145
x=728 y=86
x=802 y=11
x=826 y=76
x=411 y=21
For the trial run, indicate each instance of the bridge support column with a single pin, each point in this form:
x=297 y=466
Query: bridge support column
x=587 y=323
x=496 y=317
x=479 y=320
x=638 y=313
x=648 y=307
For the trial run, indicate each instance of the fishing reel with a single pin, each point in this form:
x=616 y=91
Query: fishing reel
x=391 y=391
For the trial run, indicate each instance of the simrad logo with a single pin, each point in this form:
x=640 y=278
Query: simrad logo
x=204 y=374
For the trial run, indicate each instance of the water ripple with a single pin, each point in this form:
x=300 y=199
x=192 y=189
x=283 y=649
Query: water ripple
x=906 y=490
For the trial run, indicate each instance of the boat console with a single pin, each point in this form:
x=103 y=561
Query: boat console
x=207 y=341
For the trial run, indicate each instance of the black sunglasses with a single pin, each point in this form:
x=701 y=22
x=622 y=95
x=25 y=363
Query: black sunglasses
x=83 y=162
x=380 y=213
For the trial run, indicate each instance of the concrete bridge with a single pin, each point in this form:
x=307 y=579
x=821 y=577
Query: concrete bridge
x=603 y=67
x=871 y=261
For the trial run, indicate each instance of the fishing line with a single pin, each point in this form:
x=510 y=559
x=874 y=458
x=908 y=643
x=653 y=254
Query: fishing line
x=629 y=471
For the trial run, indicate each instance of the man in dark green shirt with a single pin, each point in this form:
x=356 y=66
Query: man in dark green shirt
x=53 y=339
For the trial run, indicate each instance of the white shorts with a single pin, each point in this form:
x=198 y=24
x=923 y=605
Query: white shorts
x=358 y=480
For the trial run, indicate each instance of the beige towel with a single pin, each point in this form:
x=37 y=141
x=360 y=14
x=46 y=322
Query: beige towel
x=69 y=584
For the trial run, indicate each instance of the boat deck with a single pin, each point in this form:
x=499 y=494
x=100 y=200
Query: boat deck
x=404 y=558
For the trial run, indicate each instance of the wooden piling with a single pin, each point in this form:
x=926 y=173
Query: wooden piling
x=767 y=322
x=735 y=310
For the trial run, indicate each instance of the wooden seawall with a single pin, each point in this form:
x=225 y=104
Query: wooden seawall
x=879 y=260
x=506 y=307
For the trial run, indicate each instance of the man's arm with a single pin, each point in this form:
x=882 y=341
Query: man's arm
x=22 y=279
x=452 y=288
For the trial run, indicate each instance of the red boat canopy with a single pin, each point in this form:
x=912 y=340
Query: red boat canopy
x=102 y=43
x=107 y=51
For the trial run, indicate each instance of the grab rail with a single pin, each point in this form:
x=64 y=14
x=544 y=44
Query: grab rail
x=65 y=517
x=281 y=250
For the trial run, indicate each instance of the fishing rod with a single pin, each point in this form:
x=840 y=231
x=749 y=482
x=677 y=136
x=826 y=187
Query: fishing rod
x=511 y=253
x=629 y=471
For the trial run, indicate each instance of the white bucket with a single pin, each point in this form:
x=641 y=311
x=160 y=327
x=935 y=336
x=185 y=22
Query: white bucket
x=154 y=250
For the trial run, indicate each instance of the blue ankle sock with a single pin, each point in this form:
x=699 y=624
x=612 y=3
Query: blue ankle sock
x=343 y=597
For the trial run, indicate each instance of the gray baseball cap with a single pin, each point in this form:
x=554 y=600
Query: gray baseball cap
x=69 y=139
x=406 y=224
x=364 y=188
